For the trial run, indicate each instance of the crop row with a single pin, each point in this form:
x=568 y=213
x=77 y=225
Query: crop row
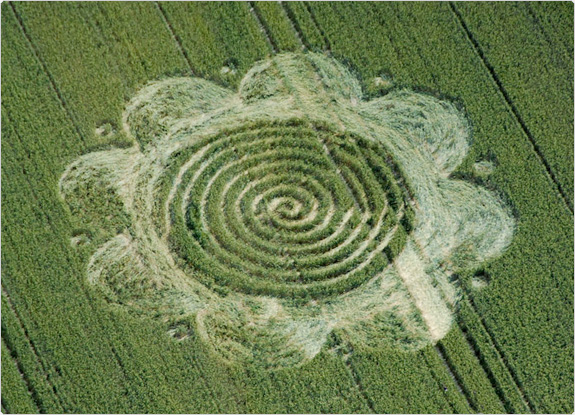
x=504 y=382
x=276 y=25
x=25 y=378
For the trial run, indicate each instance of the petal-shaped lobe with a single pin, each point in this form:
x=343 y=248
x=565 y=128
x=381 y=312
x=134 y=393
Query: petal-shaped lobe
x=161 y=104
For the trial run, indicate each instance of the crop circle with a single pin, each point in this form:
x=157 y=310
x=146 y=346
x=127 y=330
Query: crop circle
x=265 y=219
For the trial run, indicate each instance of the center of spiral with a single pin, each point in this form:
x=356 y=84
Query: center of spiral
x=285 y=207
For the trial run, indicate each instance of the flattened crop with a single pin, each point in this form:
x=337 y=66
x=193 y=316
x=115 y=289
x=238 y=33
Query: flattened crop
x=267 y=218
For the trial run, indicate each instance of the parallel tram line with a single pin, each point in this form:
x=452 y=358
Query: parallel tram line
x=490 y=375
x=64 y=106
x=511 y=106
x=345 y=351
x=440 y=350
x=536 y=149
x=174 y=35
x=439 y=384
x=84 y=290
x=72 y=120
x=441 y=353
x=42 y=63
x=493 y=343
x=354 y=374
x=295 y=26
x=67 y=111
x=451 y=370
x=31 y=390
x=265 y=31
x=319 y=28
x=54 y=231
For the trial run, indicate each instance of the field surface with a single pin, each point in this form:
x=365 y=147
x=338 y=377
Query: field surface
x=68 y=71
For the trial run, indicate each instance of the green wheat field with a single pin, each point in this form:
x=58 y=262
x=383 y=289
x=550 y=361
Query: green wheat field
x=287 y=207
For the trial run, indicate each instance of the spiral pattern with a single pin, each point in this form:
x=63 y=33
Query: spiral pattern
x=290 y=209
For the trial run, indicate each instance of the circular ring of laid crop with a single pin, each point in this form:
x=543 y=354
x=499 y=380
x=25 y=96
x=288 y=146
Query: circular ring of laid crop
x=263 y=220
